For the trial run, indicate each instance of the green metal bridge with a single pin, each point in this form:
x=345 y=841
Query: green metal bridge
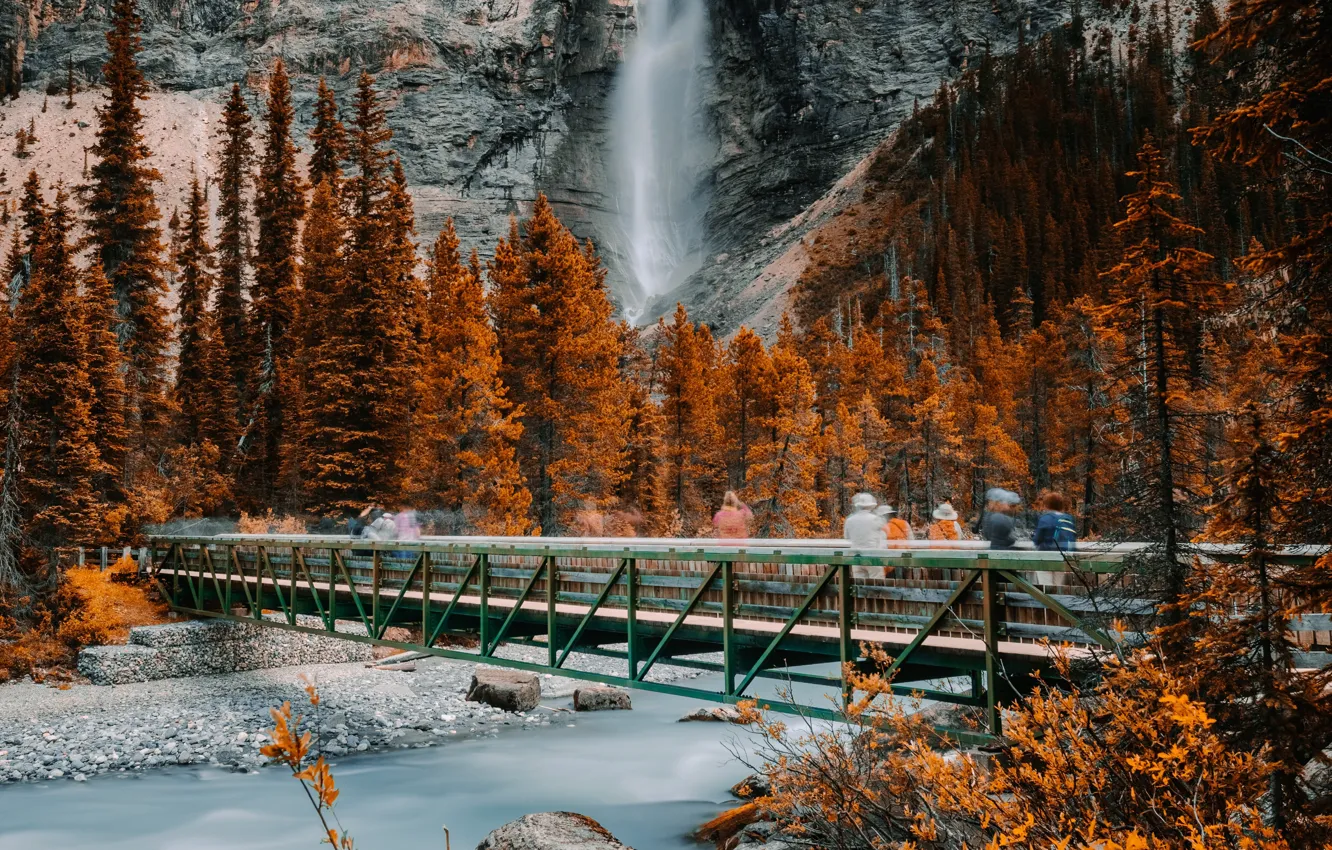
x=771 y=609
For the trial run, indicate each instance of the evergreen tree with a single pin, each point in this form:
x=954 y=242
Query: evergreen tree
x=1278 y=58
x=559 y=353
x=1242 y=660
x=279 y=208
x=194 y=270
x=1085 y=429
x=464 y=458
x=1159 y=290
x=105 y=366
x=361 y=431
x=319 y=360
x=233 y=239
x=329 y=139
x=122 y=221
x=59 y=455
x=686 y=365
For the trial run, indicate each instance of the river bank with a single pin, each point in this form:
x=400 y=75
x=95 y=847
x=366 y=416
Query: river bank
x=49 y=733
x=644 y=776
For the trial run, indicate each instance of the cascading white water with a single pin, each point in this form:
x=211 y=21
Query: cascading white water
x=661 y=148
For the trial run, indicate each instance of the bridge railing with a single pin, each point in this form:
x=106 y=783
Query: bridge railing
x=767 y=607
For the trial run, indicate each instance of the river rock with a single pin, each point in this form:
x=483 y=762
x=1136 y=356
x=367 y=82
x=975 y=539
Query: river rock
x=754 y=785
x=602 y=698
x=717 y=714
x=510 y=690
x=551 y=831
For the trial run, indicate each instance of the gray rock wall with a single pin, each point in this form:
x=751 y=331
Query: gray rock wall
x=208 y=647
x=492 y=101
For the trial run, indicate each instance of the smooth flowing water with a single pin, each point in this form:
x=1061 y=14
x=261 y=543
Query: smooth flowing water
x=661 y=147
x=644 y=776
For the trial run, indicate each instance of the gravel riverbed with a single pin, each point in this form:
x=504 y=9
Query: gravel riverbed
x=85 y=730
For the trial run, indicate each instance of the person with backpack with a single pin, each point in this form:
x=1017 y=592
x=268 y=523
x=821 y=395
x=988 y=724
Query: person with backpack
x=1055 y=529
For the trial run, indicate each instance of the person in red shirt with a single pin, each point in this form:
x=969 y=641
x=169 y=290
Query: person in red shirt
x=731 y=523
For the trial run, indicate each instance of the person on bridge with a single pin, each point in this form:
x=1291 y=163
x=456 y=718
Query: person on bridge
x=863 y=527
x=1055 y=531
x=998 y=525
x=895 y=529
x=945 y=525
x=731 y=523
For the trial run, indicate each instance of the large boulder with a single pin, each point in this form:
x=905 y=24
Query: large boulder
x=551 y=831
x=601 y=698
x=511 y=690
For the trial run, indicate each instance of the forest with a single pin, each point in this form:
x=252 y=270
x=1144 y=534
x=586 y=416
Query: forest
x=1101 y=266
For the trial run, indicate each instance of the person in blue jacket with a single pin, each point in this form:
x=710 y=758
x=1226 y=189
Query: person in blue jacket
x=1055 y=530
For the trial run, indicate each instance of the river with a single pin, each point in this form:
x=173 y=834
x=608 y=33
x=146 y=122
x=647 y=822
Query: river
x=646 y=777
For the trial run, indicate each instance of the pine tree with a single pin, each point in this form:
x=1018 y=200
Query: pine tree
x=233 y=239
x=329 y=139
x=59 y=455
x=279 y=208
x=122 y=221
x=643 y=488
x=559 y=351
x=361 y=431
x=933 y=443
x=465 y=430
x=1159 y=290
x=686 y=367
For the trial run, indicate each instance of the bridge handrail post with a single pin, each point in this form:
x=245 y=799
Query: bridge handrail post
x=484 y=579
x=989 y=604
x=552 y=625
x=845 y=620
x=374 y=590
x=728 y=626
x=425 y=595
x=631 y=612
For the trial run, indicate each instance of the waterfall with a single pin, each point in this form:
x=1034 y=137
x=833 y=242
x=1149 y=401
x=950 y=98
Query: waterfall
x=661 y=148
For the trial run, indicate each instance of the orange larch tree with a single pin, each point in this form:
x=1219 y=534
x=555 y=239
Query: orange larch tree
x=559 y=353
x=233 y=238
x=785 y=463
x=744 y=402
x=691 y=444
x=465 y=430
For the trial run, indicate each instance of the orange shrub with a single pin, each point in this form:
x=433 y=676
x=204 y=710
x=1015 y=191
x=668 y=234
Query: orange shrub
x=270 y=523
x=102 y=608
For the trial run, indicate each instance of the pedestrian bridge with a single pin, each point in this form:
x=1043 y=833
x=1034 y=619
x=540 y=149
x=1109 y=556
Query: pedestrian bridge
x=767 y=609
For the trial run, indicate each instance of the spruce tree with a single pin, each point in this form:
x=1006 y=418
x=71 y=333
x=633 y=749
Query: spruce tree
x=1159 y=290
x=328 y=138
x=279 y=208
x=464 y=459
x=310 y=466
x=233 y=239
x=107 y=381
x=559 y=350
x=122 y=220
x=362 y=430
x=60 y=457
x=194 y=270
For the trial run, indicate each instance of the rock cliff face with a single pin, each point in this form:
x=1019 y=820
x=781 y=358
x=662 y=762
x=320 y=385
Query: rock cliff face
x=492 y=101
